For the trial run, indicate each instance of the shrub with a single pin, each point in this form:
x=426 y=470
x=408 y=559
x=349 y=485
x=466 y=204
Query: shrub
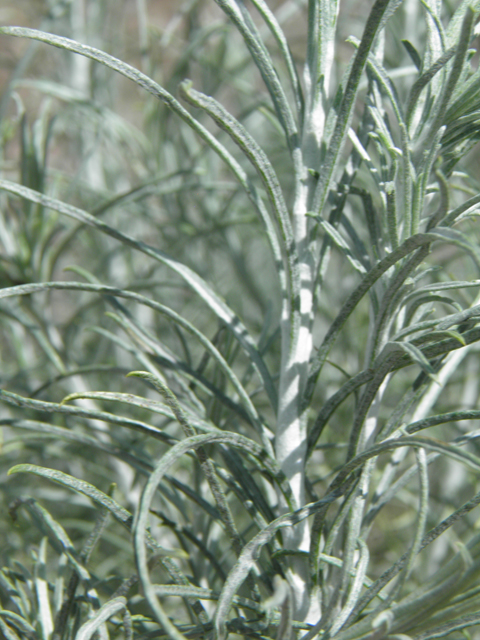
x=270 y=295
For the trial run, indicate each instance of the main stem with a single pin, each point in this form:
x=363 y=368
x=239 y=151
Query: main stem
x=297 y=337
x=291 y=434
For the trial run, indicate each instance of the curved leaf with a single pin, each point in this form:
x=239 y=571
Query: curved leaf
x=102 y=499
x=108 y=610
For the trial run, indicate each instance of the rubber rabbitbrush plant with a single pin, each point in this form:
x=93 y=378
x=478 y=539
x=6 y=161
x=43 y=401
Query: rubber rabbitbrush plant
x=273 y=456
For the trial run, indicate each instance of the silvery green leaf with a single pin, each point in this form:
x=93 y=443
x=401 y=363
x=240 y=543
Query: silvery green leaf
x=413 y=53
x=342 y=245
x=109 y=609
x=413 y=352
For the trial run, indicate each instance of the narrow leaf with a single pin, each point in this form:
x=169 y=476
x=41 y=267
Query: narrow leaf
x=342 y=245
x=102 y=499
x=56 y=534
x=41 y=588
x=414 y=352
x=108 y=610
x=413 y=53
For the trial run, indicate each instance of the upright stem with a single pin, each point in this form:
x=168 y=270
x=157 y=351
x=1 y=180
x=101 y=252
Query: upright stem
x=291 y=434
x=297 y=341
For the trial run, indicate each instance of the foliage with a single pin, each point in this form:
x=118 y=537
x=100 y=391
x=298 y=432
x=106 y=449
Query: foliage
x=228 y=317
